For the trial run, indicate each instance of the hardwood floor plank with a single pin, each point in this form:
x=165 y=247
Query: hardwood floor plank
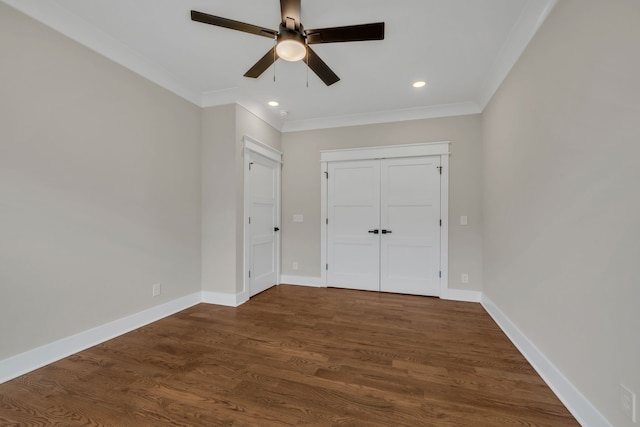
x=296 y=356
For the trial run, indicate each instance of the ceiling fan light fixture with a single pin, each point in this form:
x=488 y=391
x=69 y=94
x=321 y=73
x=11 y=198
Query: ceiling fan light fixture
x=290 y=45
x=291 y=50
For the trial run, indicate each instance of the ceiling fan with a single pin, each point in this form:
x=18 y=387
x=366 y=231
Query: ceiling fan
x=292 y=40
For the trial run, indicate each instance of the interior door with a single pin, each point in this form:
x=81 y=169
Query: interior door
x=264 y=187
x=354 y=214
x=384 y=225
x=410 y=226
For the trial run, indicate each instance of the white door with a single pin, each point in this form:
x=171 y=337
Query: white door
x=264 y=190
x=410 y=226
x=354 y=210
x=384 y=225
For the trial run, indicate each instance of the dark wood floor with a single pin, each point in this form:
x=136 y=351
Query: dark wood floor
x=296 y=356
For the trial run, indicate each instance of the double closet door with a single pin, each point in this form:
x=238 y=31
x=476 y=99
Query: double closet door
x=383 y=230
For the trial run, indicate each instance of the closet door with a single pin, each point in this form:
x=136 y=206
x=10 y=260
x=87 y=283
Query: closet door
x=410 y=226
x=353 y=250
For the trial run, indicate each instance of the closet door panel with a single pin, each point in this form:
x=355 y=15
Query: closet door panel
x=410 y=215
x=353 y=252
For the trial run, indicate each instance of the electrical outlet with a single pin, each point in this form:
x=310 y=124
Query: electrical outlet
x=464 y=278
x=628 y=402
x=295 y=265
x=298 y=218
x=156 y=290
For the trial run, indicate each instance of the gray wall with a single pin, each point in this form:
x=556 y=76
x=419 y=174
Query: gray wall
x=99 y=189
x=223 y=130
x=219 y=199
x=561 y=196
x=109 y=184
x=301 y=188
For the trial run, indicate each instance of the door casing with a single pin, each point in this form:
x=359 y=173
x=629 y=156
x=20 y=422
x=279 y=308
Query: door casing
x=253 y=146
x=441 y=149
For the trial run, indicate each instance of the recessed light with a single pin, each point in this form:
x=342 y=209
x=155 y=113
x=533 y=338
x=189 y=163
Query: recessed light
x=274 y=103
x=420 y=83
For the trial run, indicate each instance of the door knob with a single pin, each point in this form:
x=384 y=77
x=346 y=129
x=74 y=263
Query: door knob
x=374 y=231
x=276 y=229
x=386 y=231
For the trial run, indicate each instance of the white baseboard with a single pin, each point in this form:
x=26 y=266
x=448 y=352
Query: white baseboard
x=315 y=282
x=586 y=414
x=28 y=361
x=20 y=364
x=463 y=295
x=229 y=300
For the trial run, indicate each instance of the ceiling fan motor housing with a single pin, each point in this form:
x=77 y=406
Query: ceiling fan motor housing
x=291 y=44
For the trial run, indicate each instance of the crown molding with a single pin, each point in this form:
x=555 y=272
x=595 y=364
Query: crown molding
x=77 y=29
x=236 y=95
x=430 y=112
x=534 y=14
x=72 y=26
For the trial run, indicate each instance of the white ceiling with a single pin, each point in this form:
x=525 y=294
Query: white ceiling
x=462 y=48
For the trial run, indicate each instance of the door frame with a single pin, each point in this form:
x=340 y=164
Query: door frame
x=252 y=145
x=441 y=149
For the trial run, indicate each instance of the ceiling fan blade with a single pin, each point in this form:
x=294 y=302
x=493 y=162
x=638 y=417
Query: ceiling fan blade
x=290 y=9
x=262 y=65
x=352 y=33
x=320 y=68
x=231 y=24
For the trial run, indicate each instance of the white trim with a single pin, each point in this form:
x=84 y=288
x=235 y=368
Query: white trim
x=401 y=115
x=253 y=146
x=579 y=406
x=215 y=98
x=104 y=44
x=462 y=295
x=324 y=214
x=386 y=152
x=441 y=149
x=444 y=230
x=530 y=20
x=30 y=360
x=20 y=364
x=76 y=28
x=261 y=148
x=261 y=111
x=229 y=300
x=314 y=282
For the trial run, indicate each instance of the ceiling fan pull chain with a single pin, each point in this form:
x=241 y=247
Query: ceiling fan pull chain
x=275 y=43
x=307 y=64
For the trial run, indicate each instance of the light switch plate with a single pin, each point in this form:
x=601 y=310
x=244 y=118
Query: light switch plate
x=463 y=220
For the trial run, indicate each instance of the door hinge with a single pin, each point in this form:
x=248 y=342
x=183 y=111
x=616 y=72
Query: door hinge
x=440 y=169
x=250 y=163
x=440 y=223
x=440 y=274
x=327 y=174
x=326 y=267
x=327 y=221
x=249 y=220
x=249 y=273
